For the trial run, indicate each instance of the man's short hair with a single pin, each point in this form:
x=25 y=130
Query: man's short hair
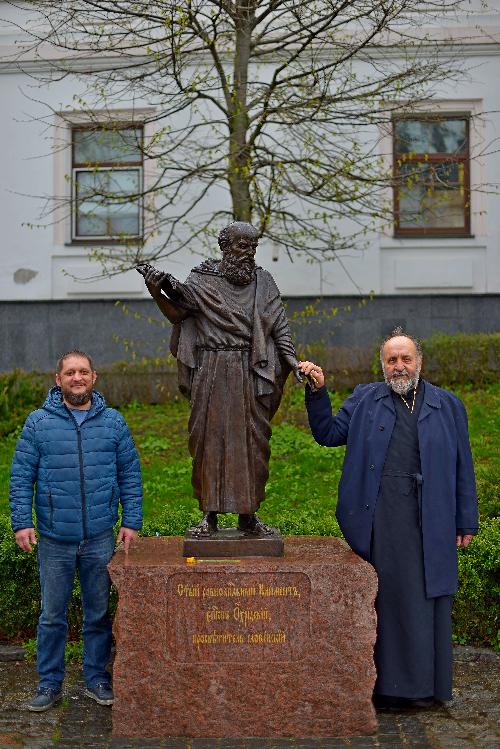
x=396 y=333
x=226 y=234
x=75 y=352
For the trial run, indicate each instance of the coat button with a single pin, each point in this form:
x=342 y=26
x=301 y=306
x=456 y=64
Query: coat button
x=367 y=507
x=372 y=467
x=381 y=427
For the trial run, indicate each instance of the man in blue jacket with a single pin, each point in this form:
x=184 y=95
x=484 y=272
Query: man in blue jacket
x=407 y=498
x=83 y=461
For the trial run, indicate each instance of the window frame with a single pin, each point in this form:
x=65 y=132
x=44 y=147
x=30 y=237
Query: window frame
x=105 y=166
x=436 y=158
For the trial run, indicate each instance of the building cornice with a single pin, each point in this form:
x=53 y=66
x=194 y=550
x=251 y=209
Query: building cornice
x=19 y=55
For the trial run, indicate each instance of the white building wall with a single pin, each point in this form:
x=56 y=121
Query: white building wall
x=38 y=263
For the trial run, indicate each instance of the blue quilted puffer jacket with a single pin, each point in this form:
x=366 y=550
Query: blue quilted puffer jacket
x=81 y=473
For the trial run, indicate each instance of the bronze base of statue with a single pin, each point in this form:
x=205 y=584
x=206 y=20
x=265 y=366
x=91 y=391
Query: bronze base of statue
x=232 y=542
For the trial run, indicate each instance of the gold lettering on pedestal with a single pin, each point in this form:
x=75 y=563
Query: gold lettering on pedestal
x=225 y=616
x=192 y=591
x=217 y=638
x=267 y=638
x=244 y=616
x=228 y=591
x=272 y=590
x=214 y=614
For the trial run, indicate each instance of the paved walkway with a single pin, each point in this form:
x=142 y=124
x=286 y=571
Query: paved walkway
x=471 y=720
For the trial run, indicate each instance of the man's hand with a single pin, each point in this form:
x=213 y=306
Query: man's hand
x=464 y=540
x=311 y=370
x=26 y=539
x=125 y=536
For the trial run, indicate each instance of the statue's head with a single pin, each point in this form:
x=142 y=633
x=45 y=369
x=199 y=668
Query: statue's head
x=238 y=233
x=238 y=243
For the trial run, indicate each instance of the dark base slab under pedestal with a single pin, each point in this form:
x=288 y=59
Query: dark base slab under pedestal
x=231 y=542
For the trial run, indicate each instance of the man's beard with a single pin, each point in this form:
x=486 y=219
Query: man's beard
x=77 y=399
x=402 y=387
x=237 y=270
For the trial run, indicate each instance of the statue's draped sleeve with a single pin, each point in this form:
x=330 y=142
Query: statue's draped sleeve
x=183 y=338
x=273 y=352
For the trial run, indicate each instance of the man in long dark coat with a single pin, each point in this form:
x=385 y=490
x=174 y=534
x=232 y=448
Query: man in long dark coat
x=234 y=352
x=407 y=498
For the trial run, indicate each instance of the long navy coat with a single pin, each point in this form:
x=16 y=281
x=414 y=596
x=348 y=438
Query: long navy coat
x=364 y=423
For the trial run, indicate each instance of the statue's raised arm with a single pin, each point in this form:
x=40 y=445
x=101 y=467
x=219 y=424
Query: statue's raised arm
x=167 y=293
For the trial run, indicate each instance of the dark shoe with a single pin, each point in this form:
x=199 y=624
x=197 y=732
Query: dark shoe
x=43 y=699
x=423 y=702
x=101 y=693
x=384 y=702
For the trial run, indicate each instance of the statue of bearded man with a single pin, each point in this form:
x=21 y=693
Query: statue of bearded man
x=234 y=352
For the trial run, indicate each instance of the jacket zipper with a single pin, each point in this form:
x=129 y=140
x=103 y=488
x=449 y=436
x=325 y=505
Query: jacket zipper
x=51 y=511
x=82 y=483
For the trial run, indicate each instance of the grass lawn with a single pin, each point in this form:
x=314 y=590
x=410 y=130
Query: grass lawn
x=303 y=476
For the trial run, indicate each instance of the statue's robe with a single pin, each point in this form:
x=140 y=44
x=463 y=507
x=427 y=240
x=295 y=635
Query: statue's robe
x=233 y=354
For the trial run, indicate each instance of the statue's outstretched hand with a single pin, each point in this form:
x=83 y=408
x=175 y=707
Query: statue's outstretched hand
x=298 y=373
x=313 y=374
x=153 y=278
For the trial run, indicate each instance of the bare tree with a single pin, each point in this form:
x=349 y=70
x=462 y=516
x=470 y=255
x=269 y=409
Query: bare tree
x=269 y=109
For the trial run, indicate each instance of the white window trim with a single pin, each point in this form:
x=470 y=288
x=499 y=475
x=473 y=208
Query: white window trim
x=471 y=107
x=63 y=216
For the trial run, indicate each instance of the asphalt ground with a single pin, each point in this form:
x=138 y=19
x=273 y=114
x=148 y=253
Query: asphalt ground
x=471 y=719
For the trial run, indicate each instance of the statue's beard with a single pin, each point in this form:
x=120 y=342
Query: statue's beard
x=400 y=385
x=238 y=270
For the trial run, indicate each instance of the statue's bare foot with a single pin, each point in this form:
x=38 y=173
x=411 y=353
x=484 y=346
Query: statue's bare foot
x=251 y=525
x=207 y=526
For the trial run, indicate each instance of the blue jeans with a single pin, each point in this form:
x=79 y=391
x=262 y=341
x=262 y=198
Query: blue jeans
x=57 y=564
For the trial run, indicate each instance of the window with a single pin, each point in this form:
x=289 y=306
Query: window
x=431 y=169
x=107 y=165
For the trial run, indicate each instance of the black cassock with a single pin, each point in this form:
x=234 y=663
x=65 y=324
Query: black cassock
x=413 y=653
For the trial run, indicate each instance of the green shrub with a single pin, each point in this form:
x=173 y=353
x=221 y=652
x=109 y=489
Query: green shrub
x=476 y=605
x=73 y=652
x=20 y=393
x=301 y=522
x=20 y=590
x=459 y=359
x=171 y=522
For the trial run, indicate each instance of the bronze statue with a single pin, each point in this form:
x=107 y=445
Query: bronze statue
x=234 y=352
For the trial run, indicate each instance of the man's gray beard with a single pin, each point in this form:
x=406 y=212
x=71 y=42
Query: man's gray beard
x=237 y=270
x=77 y=399
x=402 y=387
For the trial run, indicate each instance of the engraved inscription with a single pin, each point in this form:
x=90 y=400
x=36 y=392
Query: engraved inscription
x=230 y=617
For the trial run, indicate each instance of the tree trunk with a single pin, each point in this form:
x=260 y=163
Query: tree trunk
x=239 y=171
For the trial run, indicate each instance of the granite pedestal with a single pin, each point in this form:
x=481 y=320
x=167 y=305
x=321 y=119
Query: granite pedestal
x=249 y=647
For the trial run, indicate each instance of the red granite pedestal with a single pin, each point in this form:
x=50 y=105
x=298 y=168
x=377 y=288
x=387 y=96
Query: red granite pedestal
x=250 y=647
